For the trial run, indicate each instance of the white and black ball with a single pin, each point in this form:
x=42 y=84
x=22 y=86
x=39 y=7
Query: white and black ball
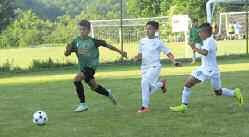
x=40 y=118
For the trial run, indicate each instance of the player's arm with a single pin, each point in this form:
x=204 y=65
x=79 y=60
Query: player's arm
x=104 y=44
x=172 y=59
x=170 y=55
x=200 y=51
x=68 y=50
x=138 y=57
x=122 y=53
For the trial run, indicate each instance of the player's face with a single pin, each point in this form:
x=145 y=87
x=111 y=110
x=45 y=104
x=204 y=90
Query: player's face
x=150 y=30
x=195 y=23
x=84 y=31
x=203 y=34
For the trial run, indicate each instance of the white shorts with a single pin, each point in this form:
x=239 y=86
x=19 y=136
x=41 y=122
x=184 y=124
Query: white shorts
x=151 y=74
x=203 y=75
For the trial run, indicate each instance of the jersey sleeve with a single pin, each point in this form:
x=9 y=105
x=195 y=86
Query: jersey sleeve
x=99 y=43
x=208 y=45
x=164 y=49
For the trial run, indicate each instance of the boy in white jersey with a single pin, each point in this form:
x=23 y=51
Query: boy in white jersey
x=149 y=52
x=207 y=71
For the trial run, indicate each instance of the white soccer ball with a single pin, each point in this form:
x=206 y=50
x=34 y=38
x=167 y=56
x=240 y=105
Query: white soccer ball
x=40 y=118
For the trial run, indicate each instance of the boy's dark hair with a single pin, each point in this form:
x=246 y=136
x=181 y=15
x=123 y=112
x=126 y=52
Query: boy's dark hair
x=207 y=28
x=153 y=23
x=194 y=20
x=85 y=23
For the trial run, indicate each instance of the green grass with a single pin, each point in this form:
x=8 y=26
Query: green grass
x=52 y=91
x=23 y=57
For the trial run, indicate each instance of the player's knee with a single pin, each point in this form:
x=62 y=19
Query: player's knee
x=218 y=92
x=79 y=77
x=92 y=84
x=188 y=84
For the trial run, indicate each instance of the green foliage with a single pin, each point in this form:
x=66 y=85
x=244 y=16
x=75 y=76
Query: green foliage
x=49 y=63
x=7 y=13
x=43 y=8
x=26 y=30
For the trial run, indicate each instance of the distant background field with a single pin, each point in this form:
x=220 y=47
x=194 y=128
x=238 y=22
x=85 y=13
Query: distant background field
x=23 y=57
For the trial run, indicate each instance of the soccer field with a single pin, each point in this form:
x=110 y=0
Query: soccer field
x=23 y=57
x=52 y=91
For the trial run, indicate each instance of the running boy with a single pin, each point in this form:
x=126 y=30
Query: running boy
x=149 y=52
x=194 y=38
x=207 y=71
x=87 y=51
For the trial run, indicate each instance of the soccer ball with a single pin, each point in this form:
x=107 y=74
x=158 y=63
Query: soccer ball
x=40 y=118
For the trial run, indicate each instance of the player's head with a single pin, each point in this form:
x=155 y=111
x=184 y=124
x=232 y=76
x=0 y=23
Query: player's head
x=195 y=22
x=205 y=30
x=151 y=27
x=84 y=27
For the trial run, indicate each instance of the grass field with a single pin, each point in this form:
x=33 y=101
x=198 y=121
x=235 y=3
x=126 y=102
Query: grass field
x=52 y=91
x=23 y=57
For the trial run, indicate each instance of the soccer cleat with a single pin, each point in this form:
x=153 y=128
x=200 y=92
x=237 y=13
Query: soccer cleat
x=238 y=96
x=111 y=97
x=143 y=110
x=164 y=87
x=180 y=108
x=81 y=107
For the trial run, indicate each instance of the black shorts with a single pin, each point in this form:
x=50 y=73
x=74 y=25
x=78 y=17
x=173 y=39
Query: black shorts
x=88 y=73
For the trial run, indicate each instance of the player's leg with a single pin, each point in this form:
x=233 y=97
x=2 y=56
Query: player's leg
x=219 y=91
x=155 y=84
x=190 y=82
x=196 y=77
x=80 y=92
x=145 y=87
x=90 y=80
x=101 y=90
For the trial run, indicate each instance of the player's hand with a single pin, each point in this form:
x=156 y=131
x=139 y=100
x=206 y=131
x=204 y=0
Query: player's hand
x=69 y=47
x=192 y=45
x=124 y=54
x=136 y=59
x=68 y=50
x=178 y=64
x=66 y=53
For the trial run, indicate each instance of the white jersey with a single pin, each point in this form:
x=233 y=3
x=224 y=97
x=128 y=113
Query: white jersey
x=209 y=62
x=150 y=50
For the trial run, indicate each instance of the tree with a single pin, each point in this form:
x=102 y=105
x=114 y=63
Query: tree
x=144 y=8
x=26 y=30
x=7 y=13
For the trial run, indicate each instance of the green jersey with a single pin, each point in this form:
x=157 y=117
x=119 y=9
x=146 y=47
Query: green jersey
x=194 y=35
x=87 y=51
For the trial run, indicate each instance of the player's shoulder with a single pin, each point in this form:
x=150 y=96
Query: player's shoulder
x=210 y=40
x=143 y=40
x=99 y=42
x=74 y=38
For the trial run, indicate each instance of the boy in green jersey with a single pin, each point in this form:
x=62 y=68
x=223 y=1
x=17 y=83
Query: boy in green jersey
x=87 y=52
x=194 y=38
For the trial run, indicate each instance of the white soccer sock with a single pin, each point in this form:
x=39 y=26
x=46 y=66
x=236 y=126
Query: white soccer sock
x=185 y=95
x=227 y=92
x=155 y=87
x=145 y=93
